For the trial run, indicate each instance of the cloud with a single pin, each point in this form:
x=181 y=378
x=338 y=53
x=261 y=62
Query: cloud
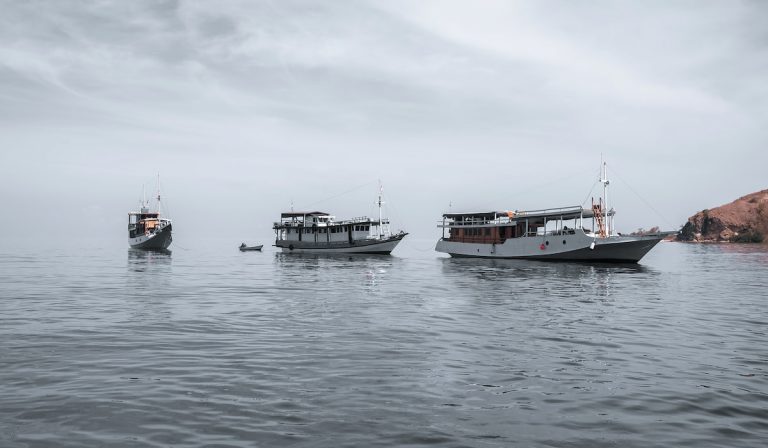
x=434 y=95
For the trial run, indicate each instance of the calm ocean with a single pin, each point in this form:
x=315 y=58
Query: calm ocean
x=212 y=347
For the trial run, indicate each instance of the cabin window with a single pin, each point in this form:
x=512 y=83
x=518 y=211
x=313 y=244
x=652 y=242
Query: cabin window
x=487 y=231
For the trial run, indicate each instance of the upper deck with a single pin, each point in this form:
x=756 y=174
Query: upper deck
x=320 y=219
x=507 y=217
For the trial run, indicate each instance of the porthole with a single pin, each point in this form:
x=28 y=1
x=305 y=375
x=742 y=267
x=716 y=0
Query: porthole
x=547 y=243
x=563 y=241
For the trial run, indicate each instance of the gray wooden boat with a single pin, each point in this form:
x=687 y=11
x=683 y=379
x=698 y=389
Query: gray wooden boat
x=244 y=248
x=552 y=234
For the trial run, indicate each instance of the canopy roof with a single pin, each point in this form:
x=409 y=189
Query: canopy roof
x=484 y=215
x=564 y=212
x=301 y=214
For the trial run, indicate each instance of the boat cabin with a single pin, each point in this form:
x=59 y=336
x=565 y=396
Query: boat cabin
x=140 y=223
x=495 y=227
x=321 y=227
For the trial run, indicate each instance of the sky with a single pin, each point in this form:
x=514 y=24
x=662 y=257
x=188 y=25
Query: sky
x=247 y=107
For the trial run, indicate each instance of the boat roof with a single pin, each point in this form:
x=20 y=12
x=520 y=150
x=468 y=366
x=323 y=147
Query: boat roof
x=298 y=214
x=487 y=215
x=564 y=212
x=150 y=215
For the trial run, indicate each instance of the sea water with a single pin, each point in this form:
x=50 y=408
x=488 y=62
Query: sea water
x=208 y=346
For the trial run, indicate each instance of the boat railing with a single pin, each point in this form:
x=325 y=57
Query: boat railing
x=352 y=221
x=486 y=222
x=355 y=220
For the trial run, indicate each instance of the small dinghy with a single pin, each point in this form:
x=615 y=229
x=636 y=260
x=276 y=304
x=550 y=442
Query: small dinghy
x=244 y=248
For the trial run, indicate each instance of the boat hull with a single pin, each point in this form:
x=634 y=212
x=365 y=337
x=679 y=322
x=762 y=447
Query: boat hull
x=153 y=241
x=570 y=247
x=381 y=247
x=251 y=248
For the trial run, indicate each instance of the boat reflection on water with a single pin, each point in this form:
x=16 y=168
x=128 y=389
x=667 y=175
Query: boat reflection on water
x=559 y=279
x=332 y=269
x=142 y=260
x=149 y=271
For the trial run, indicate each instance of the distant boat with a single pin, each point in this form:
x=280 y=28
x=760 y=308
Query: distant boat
x=320 y=232
x=147 y=230
x=244 y=248
x=568 y=233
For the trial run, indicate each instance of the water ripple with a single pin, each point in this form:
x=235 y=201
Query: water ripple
x=218 y=348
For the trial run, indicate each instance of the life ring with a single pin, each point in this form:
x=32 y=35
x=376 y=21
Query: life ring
x=290 y=247
x=542 y=247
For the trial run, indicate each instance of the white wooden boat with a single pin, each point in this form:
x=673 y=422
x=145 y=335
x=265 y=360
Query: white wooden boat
x=320 y=232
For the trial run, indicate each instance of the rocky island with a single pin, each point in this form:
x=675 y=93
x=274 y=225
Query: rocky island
x=744 y=220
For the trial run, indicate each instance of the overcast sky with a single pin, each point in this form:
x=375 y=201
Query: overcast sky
x=245 y=106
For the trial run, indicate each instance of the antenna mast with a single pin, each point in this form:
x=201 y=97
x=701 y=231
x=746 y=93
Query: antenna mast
x=158 y=194
x=604 y=180
x=381 y=224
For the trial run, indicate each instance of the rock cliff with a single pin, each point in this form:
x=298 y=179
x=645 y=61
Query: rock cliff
x=744 y=220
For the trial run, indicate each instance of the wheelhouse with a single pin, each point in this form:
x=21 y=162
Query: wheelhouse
x=142 y=223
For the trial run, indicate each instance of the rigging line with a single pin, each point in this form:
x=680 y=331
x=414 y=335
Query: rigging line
x=588 y=194
x=593 y=187
x=663 y=218
x=337 y=195
x=555 y=181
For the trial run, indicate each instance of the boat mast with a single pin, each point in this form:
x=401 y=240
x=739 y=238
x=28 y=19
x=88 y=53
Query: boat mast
x=381 y=224
x=158 y=194
x=604 y=180
x=143 y=208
